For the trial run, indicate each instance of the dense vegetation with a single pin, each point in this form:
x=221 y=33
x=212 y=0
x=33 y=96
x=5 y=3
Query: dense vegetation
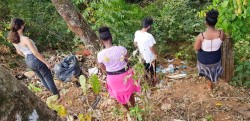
x=176 y=21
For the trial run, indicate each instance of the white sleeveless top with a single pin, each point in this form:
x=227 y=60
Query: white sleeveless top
x=211 y=45
x=25 y=50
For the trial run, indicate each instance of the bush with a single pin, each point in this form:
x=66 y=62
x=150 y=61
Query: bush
x=43 y=23
x=234 y=19
x=122 y=18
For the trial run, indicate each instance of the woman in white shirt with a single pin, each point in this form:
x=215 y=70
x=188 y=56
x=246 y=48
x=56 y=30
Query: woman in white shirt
x=34 y=60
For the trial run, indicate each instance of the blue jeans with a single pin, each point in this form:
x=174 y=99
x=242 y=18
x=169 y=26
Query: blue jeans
x=42 y=71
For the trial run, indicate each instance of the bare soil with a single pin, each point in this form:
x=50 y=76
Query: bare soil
x=170 y=100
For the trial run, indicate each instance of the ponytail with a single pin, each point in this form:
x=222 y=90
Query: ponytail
x=13 y=36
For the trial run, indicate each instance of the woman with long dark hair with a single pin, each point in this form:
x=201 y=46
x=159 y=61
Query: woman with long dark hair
x=208 y=45
x=34 y=60
x=113 y=62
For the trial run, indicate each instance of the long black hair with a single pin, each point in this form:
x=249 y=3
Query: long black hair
x=16 y=24
x=212 y=17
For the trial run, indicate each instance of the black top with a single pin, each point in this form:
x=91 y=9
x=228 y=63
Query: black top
x=211 y=57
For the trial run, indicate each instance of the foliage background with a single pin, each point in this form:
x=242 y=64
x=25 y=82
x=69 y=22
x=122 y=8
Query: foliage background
x=175 y=22
x=43 y=23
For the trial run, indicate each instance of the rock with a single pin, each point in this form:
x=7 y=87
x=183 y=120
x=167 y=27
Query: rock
x=30 y=74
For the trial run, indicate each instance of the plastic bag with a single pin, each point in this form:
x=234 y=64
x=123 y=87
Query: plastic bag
x=68 y=67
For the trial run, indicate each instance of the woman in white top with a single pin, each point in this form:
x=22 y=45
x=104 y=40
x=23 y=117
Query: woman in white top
x=208 y=45
x=34 y=60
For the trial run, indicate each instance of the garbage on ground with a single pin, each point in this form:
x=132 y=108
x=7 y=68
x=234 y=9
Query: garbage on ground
x=177 y=76
x=175 y=66
x=93 y=71
x=68 y=67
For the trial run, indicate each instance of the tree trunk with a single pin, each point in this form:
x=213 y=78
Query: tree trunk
x=18 y=103
x=77 y=24
x=227 y=59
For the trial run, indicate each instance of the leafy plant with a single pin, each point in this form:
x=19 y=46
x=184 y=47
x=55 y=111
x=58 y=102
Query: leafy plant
x=60 y=109
x=82 y=80
x=116 y=112
x=242 y=73
x=209 y=118
x=138 y=71
x=84 y=117
x=33 y=88
x=123 y=18
x=94 y=82
x=136 y=112
x=43 y=23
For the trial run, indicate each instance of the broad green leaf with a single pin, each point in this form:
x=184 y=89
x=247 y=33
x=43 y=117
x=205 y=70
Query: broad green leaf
x=224 y=4
x=239 y=68
x=82 y=80
x=33 y=88
x=94 y=81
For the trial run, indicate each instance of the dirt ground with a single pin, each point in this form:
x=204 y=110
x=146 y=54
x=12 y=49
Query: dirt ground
x=185 y=99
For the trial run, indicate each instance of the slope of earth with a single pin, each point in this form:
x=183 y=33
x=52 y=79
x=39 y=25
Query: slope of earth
x=186 y=98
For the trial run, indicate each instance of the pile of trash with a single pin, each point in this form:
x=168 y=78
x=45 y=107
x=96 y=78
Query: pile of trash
x=175 y=69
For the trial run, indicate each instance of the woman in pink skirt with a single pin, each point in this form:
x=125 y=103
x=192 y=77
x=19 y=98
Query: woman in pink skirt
x=113 y=62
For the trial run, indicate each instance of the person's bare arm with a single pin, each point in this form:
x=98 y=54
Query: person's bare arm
x=135 y=44
x=197 y=44
x=103 y=68
x=154 y=50
x=35 y=52
x=18 y=51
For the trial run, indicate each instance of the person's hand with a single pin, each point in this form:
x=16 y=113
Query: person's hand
x=48 y=65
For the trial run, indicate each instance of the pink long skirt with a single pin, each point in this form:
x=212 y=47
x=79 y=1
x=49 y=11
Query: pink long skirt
x=122 y=86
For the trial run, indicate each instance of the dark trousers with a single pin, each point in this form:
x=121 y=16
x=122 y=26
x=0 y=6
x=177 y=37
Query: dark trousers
x=151 y=70
x=42 y=71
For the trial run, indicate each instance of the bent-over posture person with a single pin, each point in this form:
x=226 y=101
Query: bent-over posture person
x=208 y=45
x=34 y=60
x=113 y=62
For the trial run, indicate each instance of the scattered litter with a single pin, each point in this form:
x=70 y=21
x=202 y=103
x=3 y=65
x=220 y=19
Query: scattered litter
x=177 y=120
x=184 y=66
x=34 y=116
x=93 y=71
x=170 y=60
x=159 y=68
x=170 y=69
x=178 y=76
x=183 y=62
x=218 y=104
x=68 y=67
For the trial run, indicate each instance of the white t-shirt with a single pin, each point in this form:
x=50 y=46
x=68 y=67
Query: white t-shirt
x=144 y=41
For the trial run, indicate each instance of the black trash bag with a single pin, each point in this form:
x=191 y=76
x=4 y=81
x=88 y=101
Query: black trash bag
x=68 y=67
